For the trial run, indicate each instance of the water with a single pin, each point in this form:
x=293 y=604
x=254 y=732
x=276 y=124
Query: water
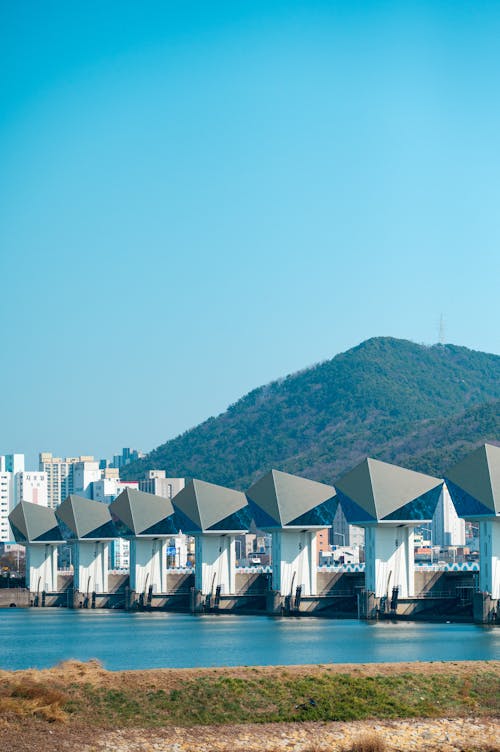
x=41 y=638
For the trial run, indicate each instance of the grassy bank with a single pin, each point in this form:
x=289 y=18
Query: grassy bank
x=75 y=693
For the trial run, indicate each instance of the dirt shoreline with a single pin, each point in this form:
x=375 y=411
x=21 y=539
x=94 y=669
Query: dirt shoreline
x=94 y=672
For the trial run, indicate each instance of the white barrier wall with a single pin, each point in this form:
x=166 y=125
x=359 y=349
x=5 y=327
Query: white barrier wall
x=148 y=565
x=215 y=563
x=91 y=566
x=489 y=557
x=294 y=561
x=41 y=567
x=389 y=560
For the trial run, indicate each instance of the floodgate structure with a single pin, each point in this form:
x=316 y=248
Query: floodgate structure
x=386 y=500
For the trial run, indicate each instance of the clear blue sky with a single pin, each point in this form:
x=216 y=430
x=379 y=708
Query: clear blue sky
x=197 y=198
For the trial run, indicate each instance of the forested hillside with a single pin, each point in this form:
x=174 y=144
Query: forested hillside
x=422 y=407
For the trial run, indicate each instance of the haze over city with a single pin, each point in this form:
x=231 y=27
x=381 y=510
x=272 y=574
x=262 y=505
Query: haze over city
x=198 y=198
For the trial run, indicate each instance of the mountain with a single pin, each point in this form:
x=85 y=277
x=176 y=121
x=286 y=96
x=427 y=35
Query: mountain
x=422 y=407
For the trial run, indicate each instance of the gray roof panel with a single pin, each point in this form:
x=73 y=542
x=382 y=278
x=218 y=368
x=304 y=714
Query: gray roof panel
x=83 y=519
x=205 y=507
x=474 y=483
x=380 y=491
x=279 y=500
x=263 y=500
x=137 y=513
x=32 y=523
x=356 y=485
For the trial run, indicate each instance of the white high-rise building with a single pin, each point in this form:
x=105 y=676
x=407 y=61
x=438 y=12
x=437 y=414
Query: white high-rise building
x=31 y=485
x=10 y=464
x=5 y=506
x=447 y=527
x=85 y=474
x=59 y=476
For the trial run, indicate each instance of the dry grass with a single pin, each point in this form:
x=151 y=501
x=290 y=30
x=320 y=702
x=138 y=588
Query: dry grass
x=369 y=742
x=31 y=698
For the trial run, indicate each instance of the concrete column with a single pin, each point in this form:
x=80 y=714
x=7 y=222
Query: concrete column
x=294 y=561
x=91 y=566
x=389 y=560
x=485 y=609
x=195 y=601
x=41 y=567
x=368 y=605
x=489 y=557
x=215 y=563
x=148 y=565
x=274 y=603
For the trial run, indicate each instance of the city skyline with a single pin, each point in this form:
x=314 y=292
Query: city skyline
x=200 y=198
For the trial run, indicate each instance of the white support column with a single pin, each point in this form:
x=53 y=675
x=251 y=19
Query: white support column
x=91 y=566
x=148 y=565
x=294 y=561
x=41 y=567
x=389 y=560
x=215 y=563
x=163 y=564
x=489 y=557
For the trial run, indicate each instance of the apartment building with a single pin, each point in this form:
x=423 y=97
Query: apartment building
x=5 y=497
x=59 y=476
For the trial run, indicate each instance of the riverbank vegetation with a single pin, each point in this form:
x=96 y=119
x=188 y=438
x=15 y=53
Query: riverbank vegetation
x=72 y=693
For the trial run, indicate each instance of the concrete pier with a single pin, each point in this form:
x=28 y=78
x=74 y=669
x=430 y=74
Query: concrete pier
x=37 y=528
x=90 y=561
x=474 y=486
x=489 y=555
x=389 y=560
x=41 y=567
x=292 y=509
x=148 y=565
x=296 y=561
x=214 y=515
x=215 y=557
x=388 y=501
x=147 y=521
x=87 y=525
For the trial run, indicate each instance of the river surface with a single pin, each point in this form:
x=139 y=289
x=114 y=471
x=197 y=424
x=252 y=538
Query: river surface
x=42 y=637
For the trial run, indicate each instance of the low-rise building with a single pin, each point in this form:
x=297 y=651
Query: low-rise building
x=158 y=484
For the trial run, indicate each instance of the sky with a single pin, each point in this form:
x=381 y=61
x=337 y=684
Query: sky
x=197 y=198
